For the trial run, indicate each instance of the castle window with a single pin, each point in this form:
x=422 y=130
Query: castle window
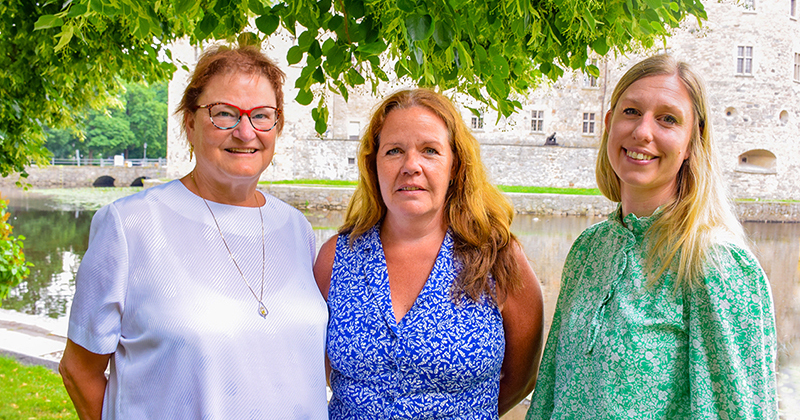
x=537 y=121
x=477 y=122
x=744 y=60
x=797 y=67
x=353 y=130
x=757 y=161
x=590 y=81
x=749 y=4
x=588 y=123
x=793 y=8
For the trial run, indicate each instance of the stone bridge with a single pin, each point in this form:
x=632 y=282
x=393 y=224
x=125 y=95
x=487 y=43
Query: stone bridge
x=58 y=176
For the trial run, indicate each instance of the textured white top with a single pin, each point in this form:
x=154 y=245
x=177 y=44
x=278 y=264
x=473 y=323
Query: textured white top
x=158 y=289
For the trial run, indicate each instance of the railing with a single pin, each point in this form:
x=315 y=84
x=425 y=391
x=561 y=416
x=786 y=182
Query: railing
x=157 y=162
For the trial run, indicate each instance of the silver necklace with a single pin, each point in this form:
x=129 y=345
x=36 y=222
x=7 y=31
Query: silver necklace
x=262 y=309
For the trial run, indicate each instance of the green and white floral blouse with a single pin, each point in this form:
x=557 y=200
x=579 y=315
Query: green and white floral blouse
x=620 y=348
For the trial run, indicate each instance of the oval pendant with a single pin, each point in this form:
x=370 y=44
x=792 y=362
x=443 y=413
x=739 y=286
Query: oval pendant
x=262 y=310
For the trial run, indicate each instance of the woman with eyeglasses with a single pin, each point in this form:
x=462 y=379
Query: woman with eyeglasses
x=200 y=292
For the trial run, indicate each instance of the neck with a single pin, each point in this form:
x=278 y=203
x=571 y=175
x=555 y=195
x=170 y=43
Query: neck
x=642 y=204
x=235 y=194
x=393 y=230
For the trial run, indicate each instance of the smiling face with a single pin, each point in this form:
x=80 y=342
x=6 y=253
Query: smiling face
x=649 y=133
x=414 y=163
x=239 y=154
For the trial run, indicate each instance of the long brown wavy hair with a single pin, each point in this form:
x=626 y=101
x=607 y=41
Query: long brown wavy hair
x=478 y=214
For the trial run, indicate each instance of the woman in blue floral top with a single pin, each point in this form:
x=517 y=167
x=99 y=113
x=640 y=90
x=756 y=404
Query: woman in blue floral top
x=663 y=313
x=434 y=309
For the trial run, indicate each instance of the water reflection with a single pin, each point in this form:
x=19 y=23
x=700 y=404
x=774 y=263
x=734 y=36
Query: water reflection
x=57 y=239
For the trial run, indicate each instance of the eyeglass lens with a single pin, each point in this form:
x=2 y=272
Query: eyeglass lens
x=225 y=117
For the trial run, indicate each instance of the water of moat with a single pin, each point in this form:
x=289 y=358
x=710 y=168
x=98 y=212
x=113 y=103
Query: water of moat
x=57 y=237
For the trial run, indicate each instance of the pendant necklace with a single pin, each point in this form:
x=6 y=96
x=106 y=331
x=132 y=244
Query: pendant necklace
x=262 y=309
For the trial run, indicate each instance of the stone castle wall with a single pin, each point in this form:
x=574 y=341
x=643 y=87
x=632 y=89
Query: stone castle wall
x=57 y=176
x=755 y=117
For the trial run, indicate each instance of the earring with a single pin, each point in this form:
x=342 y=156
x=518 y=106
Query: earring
x=191 y=151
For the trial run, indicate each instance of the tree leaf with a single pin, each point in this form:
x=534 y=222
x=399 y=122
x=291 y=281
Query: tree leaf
x=304 y=97
x=442 y=34
x=268 y=23
x=653 y=4
x=600 y=46
x=354 y=8
x=319 y=75
x=407 y=6
x=305 y=39
x=500 y=67
x=208 y=24
x=374 y=48
x=77 y=10
x=47 y=21
x=420 y=27
x=314 y=49
x=294 y=55
x=66 y=36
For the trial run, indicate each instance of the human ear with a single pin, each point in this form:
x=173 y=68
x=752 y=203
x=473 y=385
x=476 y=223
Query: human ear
x=188 y=124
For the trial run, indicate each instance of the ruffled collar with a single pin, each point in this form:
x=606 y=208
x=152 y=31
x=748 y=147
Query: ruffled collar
x=632 y=223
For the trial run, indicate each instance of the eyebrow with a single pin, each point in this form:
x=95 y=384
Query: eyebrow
x=672 y=107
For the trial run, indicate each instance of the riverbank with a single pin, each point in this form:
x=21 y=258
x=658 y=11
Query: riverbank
x=325 y=197
x=336 y=198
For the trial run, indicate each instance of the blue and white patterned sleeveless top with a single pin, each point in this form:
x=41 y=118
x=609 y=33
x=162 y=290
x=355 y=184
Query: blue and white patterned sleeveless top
x=441 y=361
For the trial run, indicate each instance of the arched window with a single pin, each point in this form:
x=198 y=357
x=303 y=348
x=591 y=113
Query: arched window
x=757 y=161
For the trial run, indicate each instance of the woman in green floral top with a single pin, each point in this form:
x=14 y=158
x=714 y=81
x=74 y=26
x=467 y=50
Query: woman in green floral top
x=663 y=313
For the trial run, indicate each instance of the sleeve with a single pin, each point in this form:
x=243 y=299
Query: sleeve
x=543 y=400
x=100 y=286
x=732 y=340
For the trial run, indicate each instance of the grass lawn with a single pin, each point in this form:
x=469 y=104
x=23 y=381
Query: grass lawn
x=32 y=392
x=505 y=188
x=315 y=182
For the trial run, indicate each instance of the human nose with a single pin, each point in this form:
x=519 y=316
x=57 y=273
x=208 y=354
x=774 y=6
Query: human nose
x=644 y=129
x=411 y=164
x=244 y=130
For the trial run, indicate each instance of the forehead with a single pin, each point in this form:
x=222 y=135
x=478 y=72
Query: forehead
x=233 y=86
x=660 y=91
x=414 y=122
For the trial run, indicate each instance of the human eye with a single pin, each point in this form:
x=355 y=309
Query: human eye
x=629 y=111
x=263 y=114
x=224 y=111
x=430 y=151
x=393 y=151
x=669 y=119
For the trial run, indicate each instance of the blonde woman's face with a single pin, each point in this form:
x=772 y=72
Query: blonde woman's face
x=649 y=132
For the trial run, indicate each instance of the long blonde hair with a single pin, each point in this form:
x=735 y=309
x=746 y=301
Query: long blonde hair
x=701 y=211
x=477 y=212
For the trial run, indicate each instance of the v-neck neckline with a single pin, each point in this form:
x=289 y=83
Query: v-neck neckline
x=379 y=282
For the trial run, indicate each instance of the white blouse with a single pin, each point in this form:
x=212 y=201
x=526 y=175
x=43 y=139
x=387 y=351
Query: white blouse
x=158 y=289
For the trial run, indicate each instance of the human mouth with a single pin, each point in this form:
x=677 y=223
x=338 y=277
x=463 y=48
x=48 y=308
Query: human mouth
x=638 y=156
x=410 y=189
x=237 y=150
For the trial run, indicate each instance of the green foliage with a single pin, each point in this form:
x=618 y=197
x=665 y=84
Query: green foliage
x=53 y=67
x=13 y=267
x=58 y=57
x=32 y=392
x=549 y=190
x=141 y=119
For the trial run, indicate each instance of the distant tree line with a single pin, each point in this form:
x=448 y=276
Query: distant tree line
x=140 y=117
